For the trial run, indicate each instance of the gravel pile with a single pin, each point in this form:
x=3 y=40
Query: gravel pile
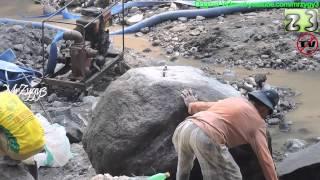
x=26 y=43
x=252 y=40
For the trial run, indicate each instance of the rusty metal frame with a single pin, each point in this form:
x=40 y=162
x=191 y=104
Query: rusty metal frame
x=86 y=83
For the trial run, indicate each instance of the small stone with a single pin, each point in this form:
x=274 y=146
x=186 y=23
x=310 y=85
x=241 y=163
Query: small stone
x=194 y=49
x=18 y=47
x=15 y=28
x=169 y=50
x=156 y=42
x=133 y=10
x=57 y=104
x=278 y=61
x=146 y=50
x=175 y=39
x=74 y=133
x=53 y=97
x=145 y=30
x=195 y=32
x=260 y=79
x=183 y=19
x=134 y=19
x=200 y=18
x=264 y=56
x=274 y=121
x=173 y=58
x=294 y=145
x=180 y=28
x=139 y=34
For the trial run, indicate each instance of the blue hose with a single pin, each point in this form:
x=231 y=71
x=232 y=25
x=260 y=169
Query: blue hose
x=208 y=13
x=53 y=55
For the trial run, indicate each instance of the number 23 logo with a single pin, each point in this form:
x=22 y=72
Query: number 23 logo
x=295 y=21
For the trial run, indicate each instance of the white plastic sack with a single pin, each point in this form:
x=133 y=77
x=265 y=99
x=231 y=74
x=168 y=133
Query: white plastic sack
x=57 y=145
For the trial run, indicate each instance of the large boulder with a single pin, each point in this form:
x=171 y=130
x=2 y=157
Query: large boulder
x=136 y=116
x=304 y=164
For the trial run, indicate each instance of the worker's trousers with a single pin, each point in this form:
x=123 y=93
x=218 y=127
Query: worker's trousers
x=215 y=159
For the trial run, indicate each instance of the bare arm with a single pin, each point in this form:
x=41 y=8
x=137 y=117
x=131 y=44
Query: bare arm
x=260 y=146
x=192 y=103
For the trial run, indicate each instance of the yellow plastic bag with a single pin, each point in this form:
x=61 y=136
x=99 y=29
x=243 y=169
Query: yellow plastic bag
x=23 y=132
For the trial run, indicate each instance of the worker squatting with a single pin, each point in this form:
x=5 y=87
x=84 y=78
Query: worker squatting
x=207 y=4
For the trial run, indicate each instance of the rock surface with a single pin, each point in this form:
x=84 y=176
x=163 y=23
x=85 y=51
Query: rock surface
x=14 y=173
x=137 y=115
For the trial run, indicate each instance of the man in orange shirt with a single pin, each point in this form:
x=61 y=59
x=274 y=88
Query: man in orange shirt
x=216 y=126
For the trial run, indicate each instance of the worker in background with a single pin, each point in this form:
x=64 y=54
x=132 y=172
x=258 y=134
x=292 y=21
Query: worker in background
x=216 y=126
x=21 y=134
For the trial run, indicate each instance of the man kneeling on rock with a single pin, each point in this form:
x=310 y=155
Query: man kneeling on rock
x=216 y=126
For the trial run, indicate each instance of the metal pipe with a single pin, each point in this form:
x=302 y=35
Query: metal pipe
x=73 y=35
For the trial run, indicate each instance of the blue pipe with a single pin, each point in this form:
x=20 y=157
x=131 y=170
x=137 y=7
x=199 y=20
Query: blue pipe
x=208 y=13
x=173 y=15
x=53 y=55
x=118 y=8
x=37 y=25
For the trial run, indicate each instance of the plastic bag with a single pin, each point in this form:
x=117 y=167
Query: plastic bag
x=57 y=148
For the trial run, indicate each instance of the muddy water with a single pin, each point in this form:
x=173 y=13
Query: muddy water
x=306 y=118
x=16 y=8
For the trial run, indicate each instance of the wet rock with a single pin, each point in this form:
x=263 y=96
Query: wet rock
x=14 y=173
x=200 y=18
x=284 y=126
x=156 y=42
x=147 y=50
x=260 y=79
x=294 y=145
x=273 y=121
x=180 y=28
x=173 y=7
x=74 y=132
x=122 y=126
x=169 y=50
x=173 y=58
x=145 y=30
x=15 y=28
x=183 y=19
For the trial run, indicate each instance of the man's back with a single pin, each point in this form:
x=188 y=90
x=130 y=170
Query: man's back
x=234 y=121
